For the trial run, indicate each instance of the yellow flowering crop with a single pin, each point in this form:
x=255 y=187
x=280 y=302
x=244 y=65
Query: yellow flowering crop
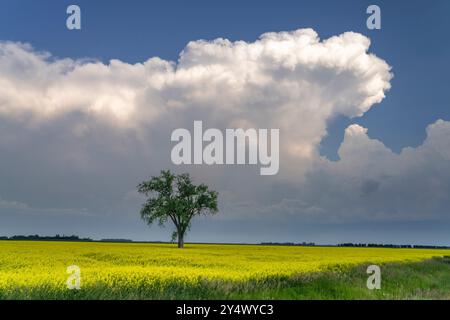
x=26 y=265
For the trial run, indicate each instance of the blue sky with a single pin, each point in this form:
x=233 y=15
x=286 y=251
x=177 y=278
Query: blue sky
x=413 y=40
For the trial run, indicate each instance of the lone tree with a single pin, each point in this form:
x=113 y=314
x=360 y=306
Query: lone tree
x=175 y=197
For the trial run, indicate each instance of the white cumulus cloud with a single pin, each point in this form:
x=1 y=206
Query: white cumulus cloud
x=82 y=133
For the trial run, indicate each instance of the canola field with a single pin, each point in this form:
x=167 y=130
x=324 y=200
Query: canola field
x=38 y=269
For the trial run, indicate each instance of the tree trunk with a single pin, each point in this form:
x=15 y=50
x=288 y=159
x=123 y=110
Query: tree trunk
x=180 y=240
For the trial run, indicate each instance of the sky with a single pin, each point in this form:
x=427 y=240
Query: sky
x=364 y=119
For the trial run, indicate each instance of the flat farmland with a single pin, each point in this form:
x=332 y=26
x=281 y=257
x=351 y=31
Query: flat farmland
x=38 y=270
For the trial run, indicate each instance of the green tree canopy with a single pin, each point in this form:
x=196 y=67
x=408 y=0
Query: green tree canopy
x=176 y=198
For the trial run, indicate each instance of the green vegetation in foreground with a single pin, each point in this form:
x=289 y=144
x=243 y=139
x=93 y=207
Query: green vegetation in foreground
x=37 y=270
x=423 y=280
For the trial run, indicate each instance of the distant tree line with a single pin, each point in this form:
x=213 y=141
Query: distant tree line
x=378 y=245
x=116 y=240
x=59 y=238
x=349 y=244
x=49 y=238
x=305 y=244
